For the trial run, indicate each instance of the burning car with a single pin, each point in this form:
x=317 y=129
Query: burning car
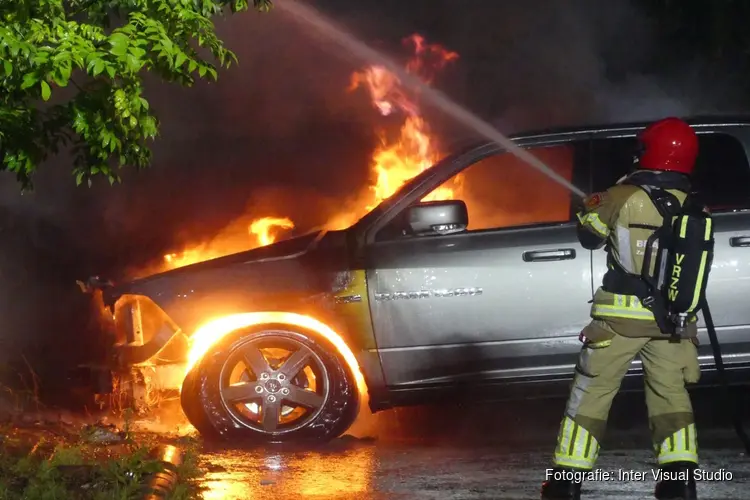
x=418 y=300
x=451 y=276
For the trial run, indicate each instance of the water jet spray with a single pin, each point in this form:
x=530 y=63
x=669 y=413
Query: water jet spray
x=310 y=17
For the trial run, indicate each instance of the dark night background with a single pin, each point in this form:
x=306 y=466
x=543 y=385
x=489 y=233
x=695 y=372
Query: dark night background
x=279 y=134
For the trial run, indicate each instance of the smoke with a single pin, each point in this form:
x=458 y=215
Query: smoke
x=279 y=133
x=552 y=63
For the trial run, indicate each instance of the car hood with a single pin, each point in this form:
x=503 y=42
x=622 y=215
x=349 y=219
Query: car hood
x=276 y=266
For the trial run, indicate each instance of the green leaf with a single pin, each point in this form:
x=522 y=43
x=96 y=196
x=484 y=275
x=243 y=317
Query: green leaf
x=29 y=80
x=61 y=76
x=8 y=67
x=179 y=59
x=98 y=67
x=137 y=52
x=65 y=70
x=133 y=63
x=46 y=91
x=59 y=81
x=119 y=43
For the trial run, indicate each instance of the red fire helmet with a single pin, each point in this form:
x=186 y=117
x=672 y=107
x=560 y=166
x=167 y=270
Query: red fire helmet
x=669 y=144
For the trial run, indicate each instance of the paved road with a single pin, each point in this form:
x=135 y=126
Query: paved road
x=374 y=472
x=489 y=452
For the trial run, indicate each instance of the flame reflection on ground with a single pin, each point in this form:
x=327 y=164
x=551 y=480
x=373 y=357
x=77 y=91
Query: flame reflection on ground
x=265 y=475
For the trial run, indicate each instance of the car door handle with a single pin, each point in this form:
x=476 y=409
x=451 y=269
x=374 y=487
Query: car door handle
x=739 y=241
x=546 y=255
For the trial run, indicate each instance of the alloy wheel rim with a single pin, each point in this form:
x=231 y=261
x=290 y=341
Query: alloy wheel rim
x=274 y=385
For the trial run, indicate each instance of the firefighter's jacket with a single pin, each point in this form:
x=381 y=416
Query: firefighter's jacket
x=621 y=219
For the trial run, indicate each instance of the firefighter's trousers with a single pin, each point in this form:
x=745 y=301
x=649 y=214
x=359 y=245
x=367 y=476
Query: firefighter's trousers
x=599 y=373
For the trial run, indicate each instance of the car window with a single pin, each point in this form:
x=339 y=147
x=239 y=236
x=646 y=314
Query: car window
x=611 y=159
x=502 y=191
x=722 y=173
x=721 y=176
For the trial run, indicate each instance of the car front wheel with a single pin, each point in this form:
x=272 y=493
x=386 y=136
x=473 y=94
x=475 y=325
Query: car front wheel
x=271 y=384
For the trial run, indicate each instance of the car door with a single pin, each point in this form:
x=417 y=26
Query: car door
x=722 y=178
x=505 y=299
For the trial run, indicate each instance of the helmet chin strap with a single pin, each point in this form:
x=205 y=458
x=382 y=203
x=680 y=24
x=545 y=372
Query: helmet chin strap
x=640 y=149
x=635 y=167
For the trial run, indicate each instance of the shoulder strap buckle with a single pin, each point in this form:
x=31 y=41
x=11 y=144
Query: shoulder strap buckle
x=648 y=302
x=665 y=202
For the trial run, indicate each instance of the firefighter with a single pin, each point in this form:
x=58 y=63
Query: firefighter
x=621 y=220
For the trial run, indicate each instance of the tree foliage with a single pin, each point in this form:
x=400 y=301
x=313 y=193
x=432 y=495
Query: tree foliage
x=98 y=51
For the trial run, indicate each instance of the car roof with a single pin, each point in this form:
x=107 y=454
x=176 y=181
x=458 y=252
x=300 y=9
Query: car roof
x=695 y=121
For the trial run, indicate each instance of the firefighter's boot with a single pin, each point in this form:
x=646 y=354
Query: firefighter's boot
x=678 y=484
x=561 y=486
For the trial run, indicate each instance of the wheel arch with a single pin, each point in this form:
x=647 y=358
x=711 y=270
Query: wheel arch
x=248 y=323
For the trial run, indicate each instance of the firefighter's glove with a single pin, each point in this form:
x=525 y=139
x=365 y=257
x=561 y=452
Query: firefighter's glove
x=579 y=205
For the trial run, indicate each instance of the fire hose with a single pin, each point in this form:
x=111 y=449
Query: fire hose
x=160 y=484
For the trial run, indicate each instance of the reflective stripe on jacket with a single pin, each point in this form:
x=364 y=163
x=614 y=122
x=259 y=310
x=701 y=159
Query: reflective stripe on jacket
x=613 y=305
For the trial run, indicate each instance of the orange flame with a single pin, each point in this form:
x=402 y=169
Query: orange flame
x=399 y=156
x=263 y=232
x=261 y=228
x=414 y=149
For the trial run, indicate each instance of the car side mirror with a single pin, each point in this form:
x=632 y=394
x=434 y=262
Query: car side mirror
x=437 y=217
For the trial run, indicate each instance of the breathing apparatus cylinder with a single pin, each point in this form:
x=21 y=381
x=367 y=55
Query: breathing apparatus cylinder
x=689 y=255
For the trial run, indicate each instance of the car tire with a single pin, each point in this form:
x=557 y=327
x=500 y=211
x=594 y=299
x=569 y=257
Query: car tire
x=191 y=406
x=209 y=396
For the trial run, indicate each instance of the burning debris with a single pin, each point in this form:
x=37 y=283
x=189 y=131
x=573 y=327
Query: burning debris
x=103 y=434
x=400 y=156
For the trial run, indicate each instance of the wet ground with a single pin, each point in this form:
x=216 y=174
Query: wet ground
x=448 y=472
x=496 y=451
